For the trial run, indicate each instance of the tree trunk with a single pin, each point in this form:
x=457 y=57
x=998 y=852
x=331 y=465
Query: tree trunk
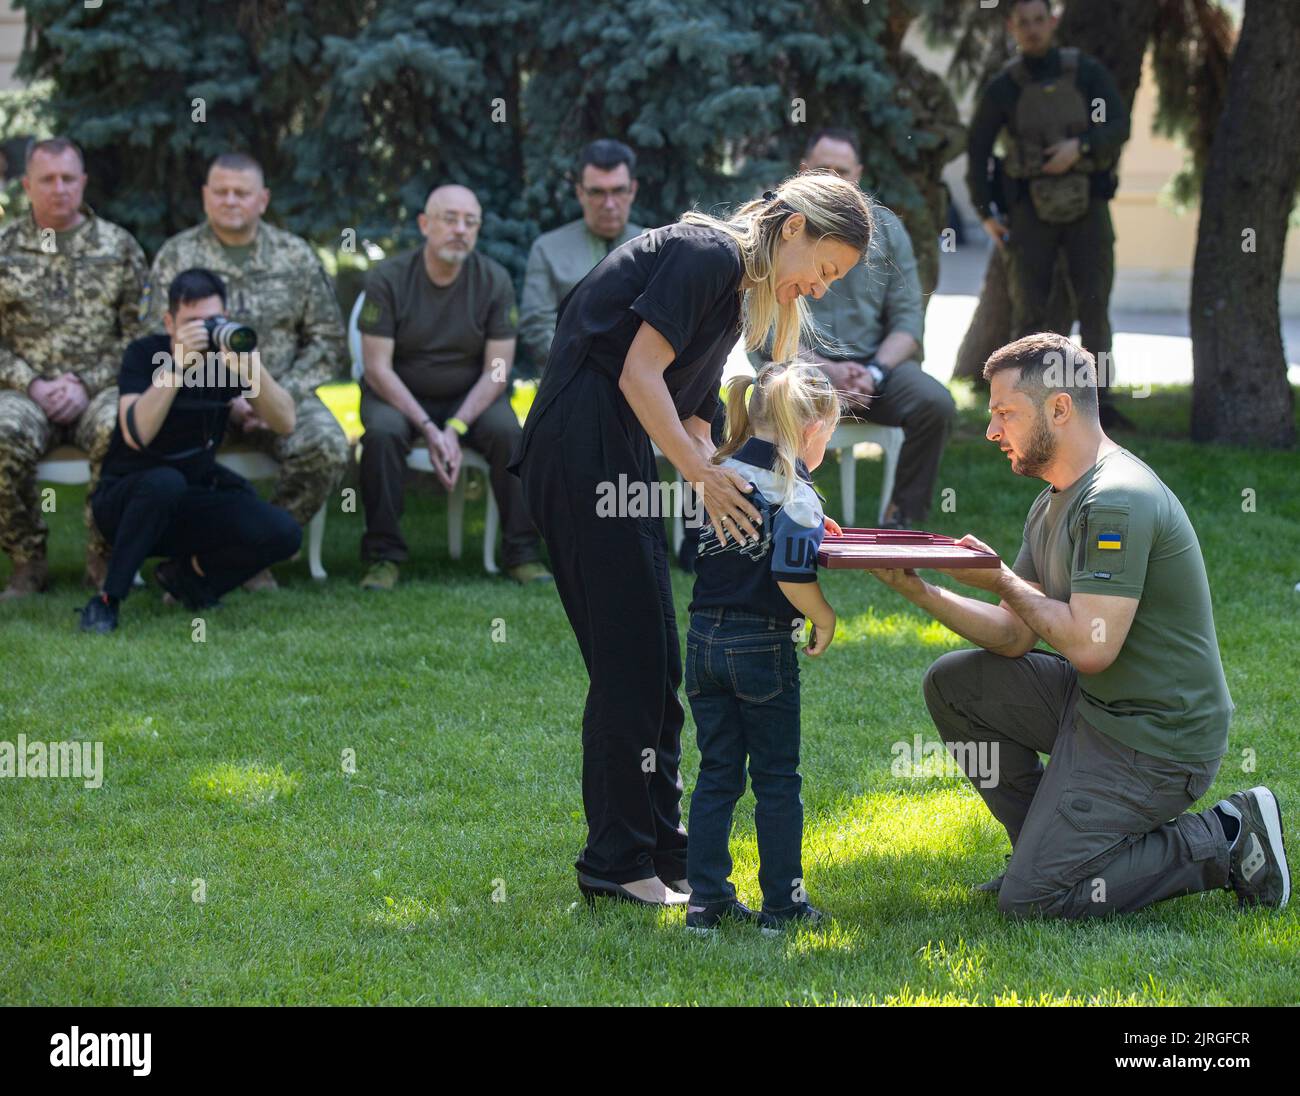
x=1116 y=32
x=990 y=325
x=1240 y=393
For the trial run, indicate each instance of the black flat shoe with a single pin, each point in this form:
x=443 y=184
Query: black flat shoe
x=593 y=888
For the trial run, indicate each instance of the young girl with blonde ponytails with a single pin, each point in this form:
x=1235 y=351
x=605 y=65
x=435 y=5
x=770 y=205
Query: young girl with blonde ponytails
x=748 y=613
x=637 y=359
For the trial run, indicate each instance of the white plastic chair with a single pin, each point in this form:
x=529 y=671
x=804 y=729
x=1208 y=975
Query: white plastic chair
x=64 y=464
x=846 y=436
x=67 y=464
x=418 y=460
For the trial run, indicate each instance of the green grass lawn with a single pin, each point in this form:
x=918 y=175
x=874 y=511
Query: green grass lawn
x=224 y=763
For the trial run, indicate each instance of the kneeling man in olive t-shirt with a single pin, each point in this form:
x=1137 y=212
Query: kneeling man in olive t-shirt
x=1134 y=708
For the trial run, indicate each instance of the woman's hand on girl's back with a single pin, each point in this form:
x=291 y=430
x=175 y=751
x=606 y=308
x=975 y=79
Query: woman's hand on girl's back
x=732 y=515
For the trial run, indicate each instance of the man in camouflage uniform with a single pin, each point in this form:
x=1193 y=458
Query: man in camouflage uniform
x=70 y=286
x=940 y=137
x=277 y=286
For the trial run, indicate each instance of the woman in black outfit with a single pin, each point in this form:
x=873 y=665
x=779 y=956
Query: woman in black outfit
x=637 y=357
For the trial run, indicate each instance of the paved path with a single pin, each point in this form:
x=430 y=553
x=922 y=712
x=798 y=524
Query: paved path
x=1150 y=347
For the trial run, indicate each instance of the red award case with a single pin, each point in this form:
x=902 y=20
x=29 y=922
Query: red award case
x=867 y=549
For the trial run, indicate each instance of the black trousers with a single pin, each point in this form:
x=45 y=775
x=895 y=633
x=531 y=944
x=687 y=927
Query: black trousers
x=1089 y=246
x=612 y=577
x=925 y=410
x=232 y=532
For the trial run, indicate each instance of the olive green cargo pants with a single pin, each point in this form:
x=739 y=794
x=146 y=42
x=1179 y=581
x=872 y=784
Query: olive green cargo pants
x=1102 y=829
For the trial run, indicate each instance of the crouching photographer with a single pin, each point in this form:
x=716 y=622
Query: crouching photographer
x=161 y=491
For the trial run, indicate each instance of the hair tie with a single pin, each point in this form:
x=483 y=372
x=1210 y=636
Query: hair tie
x=769 y=195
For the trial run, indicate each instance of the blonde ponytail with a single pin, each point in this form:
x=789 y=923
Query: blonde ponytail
x=782 y=401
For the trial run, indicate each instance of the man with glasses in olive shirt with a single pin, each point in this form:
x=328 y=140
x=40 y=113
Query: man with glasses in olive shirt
x=437 y=339
x=560 y=259
x=1132 y=705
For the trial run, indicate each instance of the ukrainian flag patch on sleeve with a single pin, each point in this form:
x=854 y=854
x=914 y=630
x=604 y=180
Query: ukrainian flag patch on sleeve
x=1111 y=541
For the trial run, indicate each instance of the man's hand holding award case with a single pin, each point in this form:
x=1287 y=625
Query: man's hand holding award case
x=878 y=549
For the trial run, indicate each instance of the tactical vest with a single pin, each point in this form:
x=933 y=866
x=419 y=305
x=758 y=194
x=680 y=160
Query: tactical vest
x=1048 y=111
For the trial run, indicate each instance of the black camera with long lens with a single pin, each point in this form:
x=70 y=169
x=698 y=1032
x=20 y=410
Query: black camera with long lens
x=224 y=334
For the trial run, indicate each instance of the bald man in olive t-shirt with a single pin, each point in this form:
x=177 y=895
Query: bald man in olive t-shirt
x=437 y=358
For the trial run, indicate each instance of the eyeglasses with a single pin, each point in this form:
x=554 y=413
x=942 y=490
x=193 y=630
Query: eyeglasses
x=601 y=193
x=453 y=219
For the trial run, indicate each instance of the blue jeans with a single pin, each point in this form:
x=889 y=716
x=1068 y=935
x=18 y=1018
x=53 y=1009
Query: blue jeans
x=742 y=681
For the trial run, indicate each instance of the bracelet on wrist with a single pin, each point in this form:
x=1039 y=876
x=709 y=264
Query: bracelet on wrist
x=458 y=425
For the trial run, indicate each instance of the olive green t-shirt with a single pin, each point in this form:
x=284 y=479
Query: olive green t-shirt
x=61 y=238
x=1119 y=530
x=238 y=253
x=439 y=331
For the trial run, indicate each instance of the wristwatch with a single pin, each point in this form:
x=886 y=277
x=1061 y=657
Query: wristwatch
x=878 y=375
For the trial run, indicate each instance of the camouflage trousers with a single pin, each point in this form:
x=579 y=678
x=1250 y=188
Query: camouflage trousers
x=312 y=459
x=26 y=436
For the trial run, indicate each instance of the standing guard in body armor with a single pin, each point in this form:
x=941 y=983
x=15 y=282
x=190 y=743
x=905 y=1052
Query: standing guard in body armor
x=1063 y=126
x=1047 y=113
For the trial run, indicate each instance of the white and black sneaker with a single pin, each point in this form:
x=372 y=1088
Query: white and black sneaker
x=1257 y=870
